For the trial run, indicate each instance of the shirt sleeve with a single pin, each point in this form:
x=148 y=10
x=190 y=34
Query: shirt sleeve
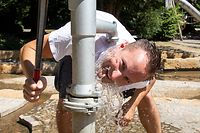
x=60 y=42
x=138 y=85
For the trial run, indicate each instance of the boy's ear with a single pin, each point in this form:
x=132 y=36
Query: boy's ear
x=122 y=45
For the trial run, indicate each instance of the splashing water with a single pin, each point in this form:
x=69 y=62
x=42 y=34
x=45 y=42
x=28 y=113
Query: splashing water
x=110 y=104
x=111 y=99
x=106 y=55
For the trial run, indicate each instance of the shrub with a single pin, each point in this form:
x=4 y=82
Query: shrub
x=148 y=23
x=153 y=24
x=169 y=27
x=10 y=42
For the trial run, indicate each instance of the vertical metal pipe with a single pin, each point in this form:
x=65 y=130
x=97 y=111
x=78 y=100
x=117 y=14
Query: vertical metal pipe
x=83 y=123
x=168 y=4
x=83 y=30
x=82 y=98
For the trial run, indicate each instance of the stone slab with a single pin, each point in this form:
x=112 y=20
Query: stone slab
x=176 y=89
x=10 y=93
x=181 y=113
x=182 y=64
x=29 y=121
x=8 y=105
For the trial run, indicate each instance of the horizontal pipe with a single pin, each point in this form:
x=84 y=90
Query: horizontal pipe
x=106 y=27
x=189 y=8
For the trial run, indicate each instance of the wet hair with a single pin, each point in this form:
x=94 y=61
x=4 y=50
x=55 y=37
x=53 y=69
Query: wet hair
x=153 y=54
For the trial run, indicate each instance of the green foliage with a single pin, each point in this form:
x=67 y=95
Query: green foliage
x=148 y=23
x=58 y=13
x=11 y=13
x=198 y=6
x=10 y=42
x=17 y=14
x=171 y=19
x=142 y=17
x=146 y=18
x=149 y=19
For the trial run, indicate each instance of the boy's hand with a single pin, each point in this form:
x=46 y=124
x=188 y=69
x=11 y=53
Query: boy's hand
x=33 y=90
x=125 y=115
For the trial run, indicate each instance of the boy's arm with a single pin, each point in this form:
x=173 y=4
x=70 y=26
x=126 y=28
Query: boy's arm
x=128 y=108
x=33 y=90
x=27 y=55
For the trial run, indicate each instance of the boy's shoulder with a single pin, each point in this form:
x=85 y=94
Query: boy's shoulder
x=105 y=16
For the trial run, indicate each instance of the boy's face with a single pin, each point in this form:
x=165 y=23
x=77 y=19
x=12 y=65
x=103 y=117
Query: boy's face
x=122 y=67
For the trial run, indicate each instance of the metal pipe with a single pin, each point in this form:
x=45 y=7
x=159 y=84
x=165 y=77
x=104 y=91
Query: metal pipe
x=83 y=123
x=168 y=4
x=189 y=8
x=107 y=27
x=82 y=98
x=83 y=30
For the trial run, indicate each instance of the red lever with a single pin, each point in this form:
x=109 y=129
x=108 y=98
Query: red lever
x=36 y=75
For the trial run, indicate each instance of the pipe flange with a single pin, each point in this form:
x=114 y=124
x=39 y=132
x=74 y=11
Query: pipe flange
x=84 y=105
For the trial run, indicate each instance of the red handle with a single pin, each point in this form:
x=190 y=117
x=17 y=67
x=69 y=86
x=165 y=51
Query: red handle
x=36 y=75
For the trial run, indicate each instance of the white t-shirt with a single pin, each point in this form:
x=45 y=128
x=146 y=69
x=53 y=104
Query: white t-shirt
x=60 y=41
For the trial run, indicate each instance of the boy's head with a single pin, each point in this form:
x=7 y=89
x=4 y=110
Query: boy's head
x=128 y=64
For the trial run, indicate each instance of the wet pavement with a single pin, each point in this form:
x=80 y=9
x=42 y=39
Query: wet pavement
x=178 y=103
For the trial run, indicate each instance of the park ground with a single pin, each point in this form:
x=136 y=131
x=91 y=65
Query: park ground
x=178 y=100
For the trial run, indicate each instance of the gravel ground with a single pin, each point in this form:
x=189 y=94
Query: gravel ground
x=178 y=103
x=177 y=116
